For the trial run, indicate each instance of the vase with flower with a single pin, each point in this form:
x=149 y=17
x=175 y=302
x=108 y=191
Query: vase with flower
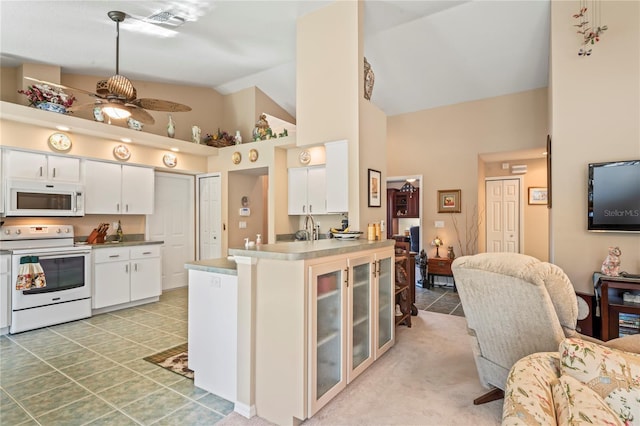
x=48 y=98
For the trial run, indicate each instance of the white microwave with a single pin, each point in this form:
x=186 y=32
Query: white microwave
x=44 y=198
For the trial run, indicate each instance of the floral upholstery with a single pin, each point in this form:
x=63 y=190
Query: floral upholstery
x=584 y=383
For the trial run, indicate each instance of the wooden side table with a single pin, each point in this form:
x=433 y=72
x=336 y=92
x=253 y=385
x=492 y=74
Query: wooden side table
x=440 y=266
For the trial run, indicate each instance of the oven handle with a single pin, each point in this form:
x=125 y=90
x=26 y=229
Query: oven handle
x=54 y=255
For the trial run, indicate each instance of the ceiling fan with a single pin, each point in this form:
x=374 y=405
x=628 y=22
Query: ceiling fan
x=116 y=96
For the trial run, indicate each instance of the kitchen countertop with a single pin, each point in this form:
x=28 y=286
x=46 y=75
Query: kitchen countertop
x=220 y=266
x=301 y=250
x=118 y=244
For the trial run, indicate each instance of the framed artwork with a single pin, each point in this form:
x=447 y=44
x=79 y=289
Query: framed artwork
x=537 y=195
x=449 y=201
x=375 y=198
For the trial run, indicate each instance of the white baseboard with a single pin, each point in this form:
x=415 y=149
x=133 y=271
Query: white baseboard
x=245 y=410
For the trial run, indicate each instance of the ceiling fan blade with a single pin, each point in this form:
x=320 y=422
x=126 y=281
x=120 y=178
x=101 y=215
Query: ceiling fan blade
x=160 y=105
x=62 y=86
x=140 y=114
x=83 y=107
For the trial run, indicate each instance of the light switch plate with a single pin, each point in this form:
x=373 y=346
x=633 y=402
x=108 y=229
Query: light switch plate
x=439 y=224
x=242 y=224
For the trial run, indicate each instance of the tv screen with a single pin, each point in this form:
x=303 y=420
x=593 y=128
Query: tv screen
x=614 y=196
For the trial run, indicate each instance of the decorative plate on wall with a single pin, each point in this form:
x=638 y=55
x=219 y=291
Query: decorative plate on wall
x=59 y=142
x=121 y=152
x=236 y=157
x=170 y=160
x=304 y=157
x=253 y=155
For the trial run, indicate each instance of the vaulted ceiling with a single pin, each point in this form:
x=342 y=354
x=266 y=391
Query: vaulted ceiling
x=424 y=54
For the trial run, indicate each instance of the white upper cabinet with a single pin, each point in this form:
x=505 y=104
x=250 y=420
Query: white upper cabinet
x=307 y=190
x=30 y=165
x=118 y=189
x=337 y=159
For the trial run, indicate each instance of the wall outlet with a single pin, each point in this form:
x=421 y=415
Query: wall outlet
x=242 y=224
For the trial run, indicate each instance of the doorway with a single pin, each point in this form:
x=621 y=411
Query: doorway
x=503 y=201
x=172 y=221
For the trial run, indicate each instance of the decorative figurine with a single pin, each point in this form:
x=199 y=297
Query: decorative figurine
x=195 y=134
x=611 y=263
x=171 y=127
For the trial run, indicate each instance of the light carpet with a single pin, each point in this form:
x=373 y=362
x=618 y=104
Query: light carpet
x=428 y=378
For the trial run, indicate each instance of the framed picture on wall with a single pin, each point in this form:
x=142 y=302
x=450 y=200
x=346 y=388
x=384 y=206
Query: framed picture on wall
x=449 y=201
x=375 y=198
x=537 y=195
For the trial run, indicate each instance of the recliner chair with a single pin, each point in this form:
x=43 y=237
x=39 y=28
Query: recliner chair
x=515 y=305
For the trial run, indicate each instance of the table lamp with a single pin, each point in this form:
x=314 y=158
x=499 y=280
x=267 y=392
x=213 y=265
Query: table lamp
x=437 y=242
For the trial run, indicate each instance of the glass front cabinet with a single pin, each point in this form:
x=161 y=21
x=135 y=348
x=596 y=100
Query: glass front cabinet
x=351 y=320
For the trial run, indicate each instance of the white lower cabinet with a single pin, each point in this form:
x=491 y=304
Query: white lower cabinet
x=126 y=274
x=5 y=293
x=351 y=320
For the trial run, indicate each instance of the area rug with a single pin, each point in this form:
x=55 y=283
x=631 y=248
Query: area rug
x=174 y=359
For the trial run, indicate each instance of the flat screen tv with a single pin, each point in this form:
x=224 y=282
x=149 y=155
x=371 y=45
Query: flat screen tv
x=614 y=196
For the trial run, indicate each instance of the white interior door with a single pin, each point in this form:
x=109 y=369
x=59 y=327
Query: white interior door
x=209 y=216
x=173 y=222
x=503 y=215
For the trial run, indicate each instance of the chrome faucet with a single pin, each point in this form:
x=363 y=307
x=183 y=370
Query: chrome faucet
x=311 y=234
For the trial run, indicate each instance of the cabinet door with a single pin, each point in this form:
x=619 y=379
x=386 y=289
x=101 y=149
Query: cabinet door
x=2 y=154
x=337 y=166
x=26 y=165
x=137 y=190
x=327 y=333
x=64 y=169
x=103 y=182
x=317 y=190
x=298 y=191
x=5 y=291
x=385 y=282
x=414 y=204
x=110 y=284
x=360 y=324
x=146 y=280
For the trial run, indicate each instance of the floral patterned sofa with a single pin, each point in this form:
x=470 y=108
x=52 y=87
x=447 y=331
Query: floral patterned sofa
x=583 y=383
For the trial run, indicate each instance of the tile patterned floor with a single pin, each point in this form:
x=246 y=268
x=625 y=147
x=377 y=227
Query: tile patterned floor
x=441 y=299
x=91 y=372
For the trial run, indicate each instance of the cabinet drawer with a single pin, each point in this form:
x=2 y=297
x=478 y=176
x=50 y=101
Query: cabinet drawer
x=437 y=266
x=110 y=255
x=141 y=252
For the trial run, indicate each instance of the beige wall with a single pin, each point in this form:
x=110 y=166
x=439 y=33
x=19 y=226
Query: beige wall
x=250 y=185
x=443 y=145
x=596 y=117
x=327 y=74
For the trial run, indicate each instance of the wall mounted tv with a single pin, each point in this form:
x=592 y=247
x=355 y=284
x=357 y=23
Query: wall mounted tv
x=614 y=196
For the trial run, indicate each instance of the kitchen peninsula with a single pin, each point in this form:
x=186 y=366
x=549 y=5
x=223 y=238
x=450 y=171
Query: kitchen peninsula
x=308 y=317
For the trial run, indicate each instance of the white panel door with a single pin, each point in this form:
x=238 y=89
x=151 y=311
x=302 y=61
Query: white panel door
x=173 y=222
x=209 y=217
x=503 y=215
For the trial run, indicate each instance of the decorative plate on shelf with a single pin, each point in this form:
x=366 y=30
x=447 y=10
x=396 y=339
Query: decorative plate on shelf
x=236 y=157
x=59 y=142
x=121 y=152
x=170 y=160
x=253 y=155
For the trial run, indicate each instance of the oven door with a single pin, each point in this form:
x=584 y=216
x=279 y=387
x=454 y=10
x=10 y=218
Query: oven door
x=67 y=273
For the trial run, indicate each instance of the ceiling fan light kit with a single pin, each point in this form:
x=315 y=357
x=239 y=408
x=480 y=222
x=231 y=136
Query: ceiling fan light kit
x=116 y=96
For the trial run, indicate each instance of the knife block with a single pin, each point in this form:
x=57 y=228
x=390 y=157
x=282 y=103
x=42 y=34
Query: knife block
x=95 y=237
